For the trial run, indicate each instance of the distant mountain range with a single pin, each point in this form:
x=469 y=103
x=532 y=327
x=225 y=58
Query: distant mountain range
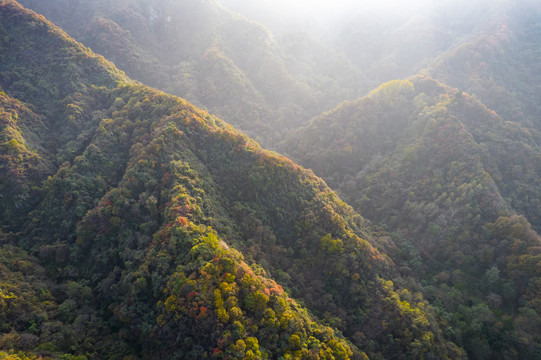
x=209 y=55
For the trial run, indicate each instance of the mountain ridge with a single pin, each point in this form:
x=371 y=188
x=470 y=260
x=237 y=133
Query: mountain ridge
x=159 y=44
x=172 y=219
x=444 y=182
x=137 y=220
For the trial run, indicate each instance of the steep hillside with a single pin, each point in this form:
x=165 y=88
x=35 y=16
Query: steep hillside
x=500 y=64
x=134 y=225
x=455 y=187
x=486 y=48
x=53 y=81
x=212 y=57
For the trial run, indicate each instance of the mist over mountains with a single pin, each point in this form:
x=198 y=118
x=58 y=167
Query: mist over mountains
x=403 y=223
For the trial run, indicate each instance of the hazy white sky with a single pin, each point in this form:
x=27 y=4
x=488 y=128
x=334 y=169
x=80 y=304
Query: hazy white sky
x=337 y=5
x=322 y=13
x=328 y=11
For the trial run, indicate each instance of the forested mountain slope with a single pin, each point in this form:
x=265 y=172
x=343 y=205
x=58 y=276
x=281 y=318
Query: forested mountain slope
x=500 y=64
x=456 y=187
x=134 y=225
x=212 y=57
x=487 y=48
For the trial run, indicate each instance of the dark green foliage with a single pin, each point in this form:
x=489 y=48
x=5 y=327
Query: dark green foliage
x=41 y=317
x=26 y=40
x=134 y=225
x=24 y=161
x=54 y=82
x=140 y=200
x=436 y=168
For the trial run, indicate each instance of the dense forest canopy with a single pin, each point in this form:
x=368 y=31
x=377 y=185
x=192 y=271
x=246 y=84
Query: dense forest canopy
x=135 y=225
x=126 y=213
x=447 y=179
